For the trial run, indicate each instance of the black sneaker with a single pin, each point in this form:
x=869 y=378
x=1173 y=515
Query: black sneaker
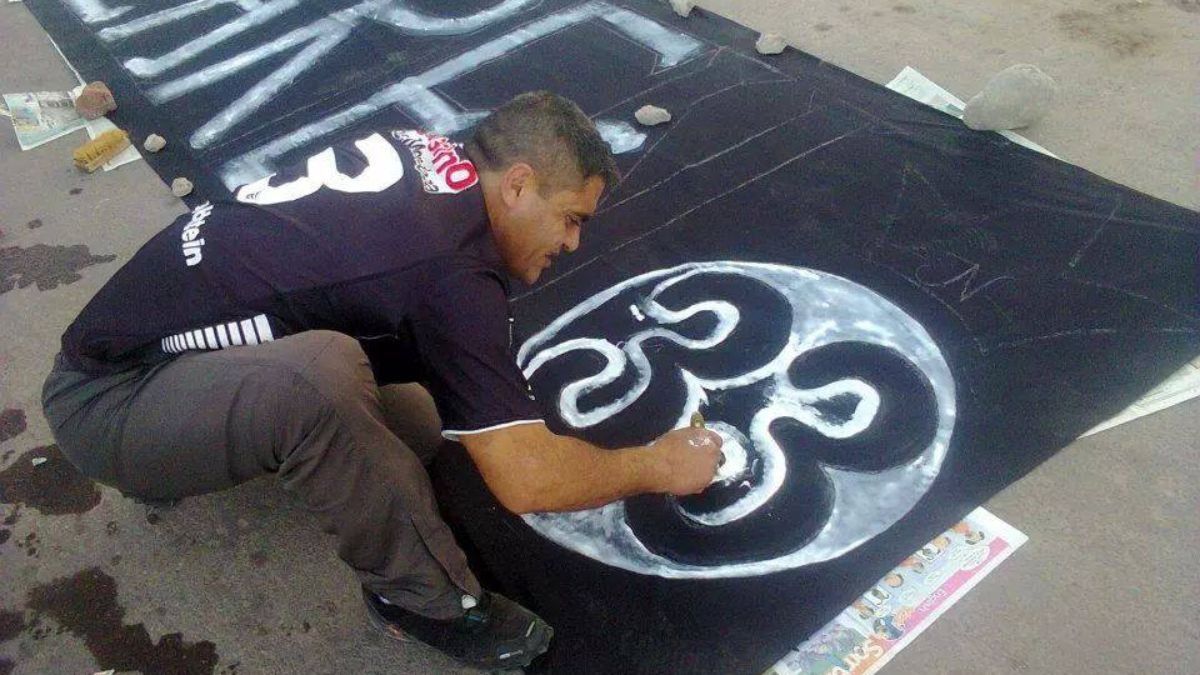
x=496 y=633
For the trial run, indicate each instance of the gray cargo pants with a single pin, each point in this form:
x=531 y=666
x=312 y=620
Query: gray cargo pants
x=305 y=407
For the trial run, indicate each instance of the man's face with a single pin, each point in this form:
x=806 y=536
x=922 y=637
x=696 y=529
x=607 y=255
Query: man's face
x=537 y=228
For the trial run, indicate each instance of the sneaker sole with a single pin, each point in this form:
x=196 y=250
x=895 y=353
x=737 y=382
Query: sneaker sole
x=538 y=642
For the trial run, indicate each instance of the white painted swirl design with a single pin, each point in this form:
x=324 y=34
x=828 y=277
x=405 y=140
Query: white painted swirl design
x=826 y=309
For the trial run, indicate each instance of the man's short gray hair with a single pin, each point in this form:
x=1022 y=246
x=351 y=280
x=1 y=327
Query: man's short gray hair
x=548 y=132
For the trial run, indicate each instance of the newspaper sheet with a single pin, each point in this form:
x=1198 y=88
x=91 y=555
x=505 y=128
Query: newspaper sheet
x=41 y=117
x=897 y=609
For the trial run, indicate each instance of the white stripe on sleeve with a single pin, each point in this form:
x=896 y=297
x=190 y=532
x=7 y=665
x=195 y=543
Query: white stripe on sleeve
x=235 y=335
x=222 y=336
x=248 y=332
x=264 y=328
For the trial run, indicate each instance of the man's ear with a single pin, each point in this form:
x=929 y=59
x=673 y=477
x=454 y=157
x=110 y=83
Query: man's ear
x=517 y=179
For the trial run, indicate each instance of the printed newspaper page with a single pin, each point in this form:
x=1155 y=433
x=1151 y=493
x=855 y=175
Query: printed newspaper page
x=41 y=117
x=866 y=635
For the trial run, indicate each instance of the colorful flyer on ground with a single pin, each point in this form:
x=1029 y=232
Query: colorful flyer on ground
x=897 y=609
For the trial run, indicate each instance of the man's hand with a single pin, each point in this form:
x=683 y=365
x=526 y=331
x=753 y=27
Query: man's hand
x=530 y=469
x=690 y=458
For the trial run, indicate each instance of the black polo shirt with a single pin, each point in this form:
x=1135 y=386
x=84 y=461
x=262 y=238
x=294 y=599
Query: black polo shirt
x=385 y=239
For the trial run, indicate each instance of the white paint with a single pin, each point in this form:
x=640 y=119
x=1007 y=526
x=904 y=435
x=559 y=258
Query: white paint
x=826 y=309
x=631 y=352
x=152 y=67
x=416 y=23
x=95 y=11
x=319 y=38
x=736 y=466
x=166 y=16
x=323 y=37
x=620 y=135
x=384 y=169
x=416 y=93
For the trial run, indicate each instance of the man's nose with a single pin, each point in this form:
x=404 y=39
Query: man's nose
x=572 y=241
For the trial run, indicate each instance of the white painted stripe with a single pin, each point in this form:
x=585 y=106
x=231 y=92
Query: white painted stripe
x=180 y=345
x=187 y=340
x=198 y=336
x=264 y=328
x=235 y=335
x=162 y=344
x=248 y=332
x=210 y=337
x=222 y=336
x=159 y=18
x=453 y=434
x=96 y=11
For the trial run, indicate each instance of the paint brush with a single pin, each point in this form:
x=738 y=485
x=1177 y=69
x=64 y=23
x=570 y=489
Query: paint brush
x=697 y=422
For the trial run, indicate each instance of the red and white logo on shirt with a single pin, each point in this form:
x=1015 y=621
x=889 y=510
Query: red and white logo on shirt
x=443 y=169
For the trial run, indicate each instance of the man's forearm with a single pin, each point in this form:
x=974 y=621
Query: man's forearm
x=577 y=475
x=531 y=469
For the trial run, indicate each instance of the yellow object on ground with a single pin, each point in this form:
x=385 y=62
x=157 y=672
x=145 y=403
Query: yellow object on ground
x=93 y=154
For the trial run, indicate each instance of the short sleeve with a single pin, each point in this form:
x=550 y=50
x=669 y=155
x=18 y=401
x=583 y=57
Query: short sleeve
x=461 y=331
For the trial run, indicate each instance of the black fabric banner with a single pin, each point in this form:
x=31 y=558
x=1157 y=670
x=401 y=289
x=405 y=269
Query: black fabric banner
x=892 y=316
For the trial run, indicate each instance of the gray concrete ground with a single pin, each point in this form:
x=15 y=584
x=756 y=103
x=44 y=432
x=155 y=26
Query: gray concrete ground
x=1102 y=587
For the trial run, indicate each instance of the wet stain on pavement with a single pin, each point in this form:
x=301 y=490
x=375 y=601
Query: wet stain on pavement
x=53 y=487
x=46 y=266
x=34 y=224
x=30 y=545
x=12 y=423
x=75 y=191
x=86 y=606
x=11 y=625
